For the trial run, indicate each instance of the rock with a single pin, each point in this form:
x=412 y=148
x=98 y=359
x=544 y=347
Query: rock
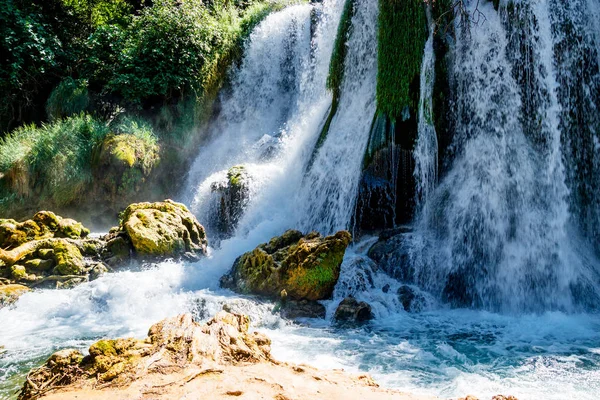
x=165 y=229
x=40 y=265
x=52 y=251
x=122 y=164
x=351 y=310
x=171 y=345
x=181 y=357
x=69 y=260
x=391 y=253
x=18 y=273
x=411 y=299
x=118 y=249
x=302 y=309
x=43 y=225
x=306 y=267
x=69 y=228
x=10 y=293
x=232 y=198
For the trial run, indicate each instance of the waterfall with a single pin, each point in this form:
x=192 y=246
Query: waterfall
x=495 y=232
x=329 y=190
x=269 y=116
x=426 y=148
x=278 y=101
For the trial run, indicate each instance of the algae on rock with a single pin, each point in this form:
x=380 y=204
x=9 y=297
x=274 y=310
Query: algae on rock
x=306 y=267
x=163 y=229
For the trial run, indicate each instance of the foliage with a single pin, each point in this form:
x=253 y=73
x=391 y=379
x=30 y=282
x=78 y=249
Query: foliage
x=68 y=98
x=101 y=12
x=31 y=54
x=401 y=40
x=160 y=63
x=56 y=158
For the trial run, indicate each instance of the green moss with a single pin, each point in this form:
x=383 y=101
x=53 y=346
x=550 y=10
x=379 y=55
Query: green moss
x=18 y=272
x=236 y=175
x=69 y=260
x=336 y=70
x=38 y=265
x=401 y=40
x=103 y=348
x=340 y=49
x=319 y=277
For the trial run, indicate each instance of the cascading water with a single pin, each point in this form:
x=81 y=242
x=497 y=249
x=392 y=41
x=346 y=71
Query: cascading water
x=495 y=232
x=501 y=231
x=329 y=189
x=426 y=148
x=323 y=199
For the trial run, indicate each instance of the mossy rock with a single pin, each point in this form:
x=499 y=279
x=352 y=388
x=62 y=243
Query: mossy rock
x=306 y=267
x=39 y=265
x=72 y=229
x=232 y=198
x=122 y=163
x=166 y=229
x=43 y=225
x=10 y=293
x=18 y=273
x=69 y=260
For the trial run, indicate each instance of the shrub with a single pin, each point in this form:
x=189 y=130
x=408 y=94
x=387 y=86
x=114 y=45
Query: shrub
x=53 y=159
x=68 y=98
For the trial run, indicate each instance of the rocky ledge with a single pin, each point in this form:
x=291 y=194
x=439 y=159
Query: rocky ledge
x=51 y=251
x=182 y=359
x=179 y=358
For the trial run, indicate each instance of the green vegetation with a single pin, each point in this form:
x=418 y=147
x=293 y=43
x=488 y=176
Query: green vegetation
x=401 y=40
x=68 y=98
x=54 y=165
x=50 y=163
x=88 y=84
x=338 y=57
x=336 y=68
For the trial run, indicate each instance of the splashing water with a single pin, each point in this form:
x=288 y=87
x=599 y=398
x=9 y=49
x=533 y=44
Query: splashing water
x=495 y=234
x=502 y=218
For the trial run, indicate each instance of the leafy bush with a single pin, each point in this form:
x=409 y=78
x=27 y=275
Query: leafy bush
x=68 y=98
x=31 y=54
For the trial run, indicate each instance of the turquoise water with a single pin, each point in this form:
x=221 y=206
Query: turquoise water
x=443 y=352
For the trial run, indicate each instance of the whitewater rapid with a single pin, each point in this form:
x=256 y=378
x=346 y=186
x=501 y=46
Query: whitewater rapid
x=441 y=352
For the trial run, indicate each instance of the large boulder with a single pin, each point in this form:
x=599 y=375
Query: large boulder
x=306 y=267
x=161 y=229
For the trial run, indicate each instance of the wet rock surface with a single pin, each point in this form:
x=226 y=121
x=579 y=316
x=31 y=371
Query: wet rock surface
x=220 y=359
x=352 y=311
x=51 y=251
x=232 y=198
x=171 y=345
x=307 y=267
